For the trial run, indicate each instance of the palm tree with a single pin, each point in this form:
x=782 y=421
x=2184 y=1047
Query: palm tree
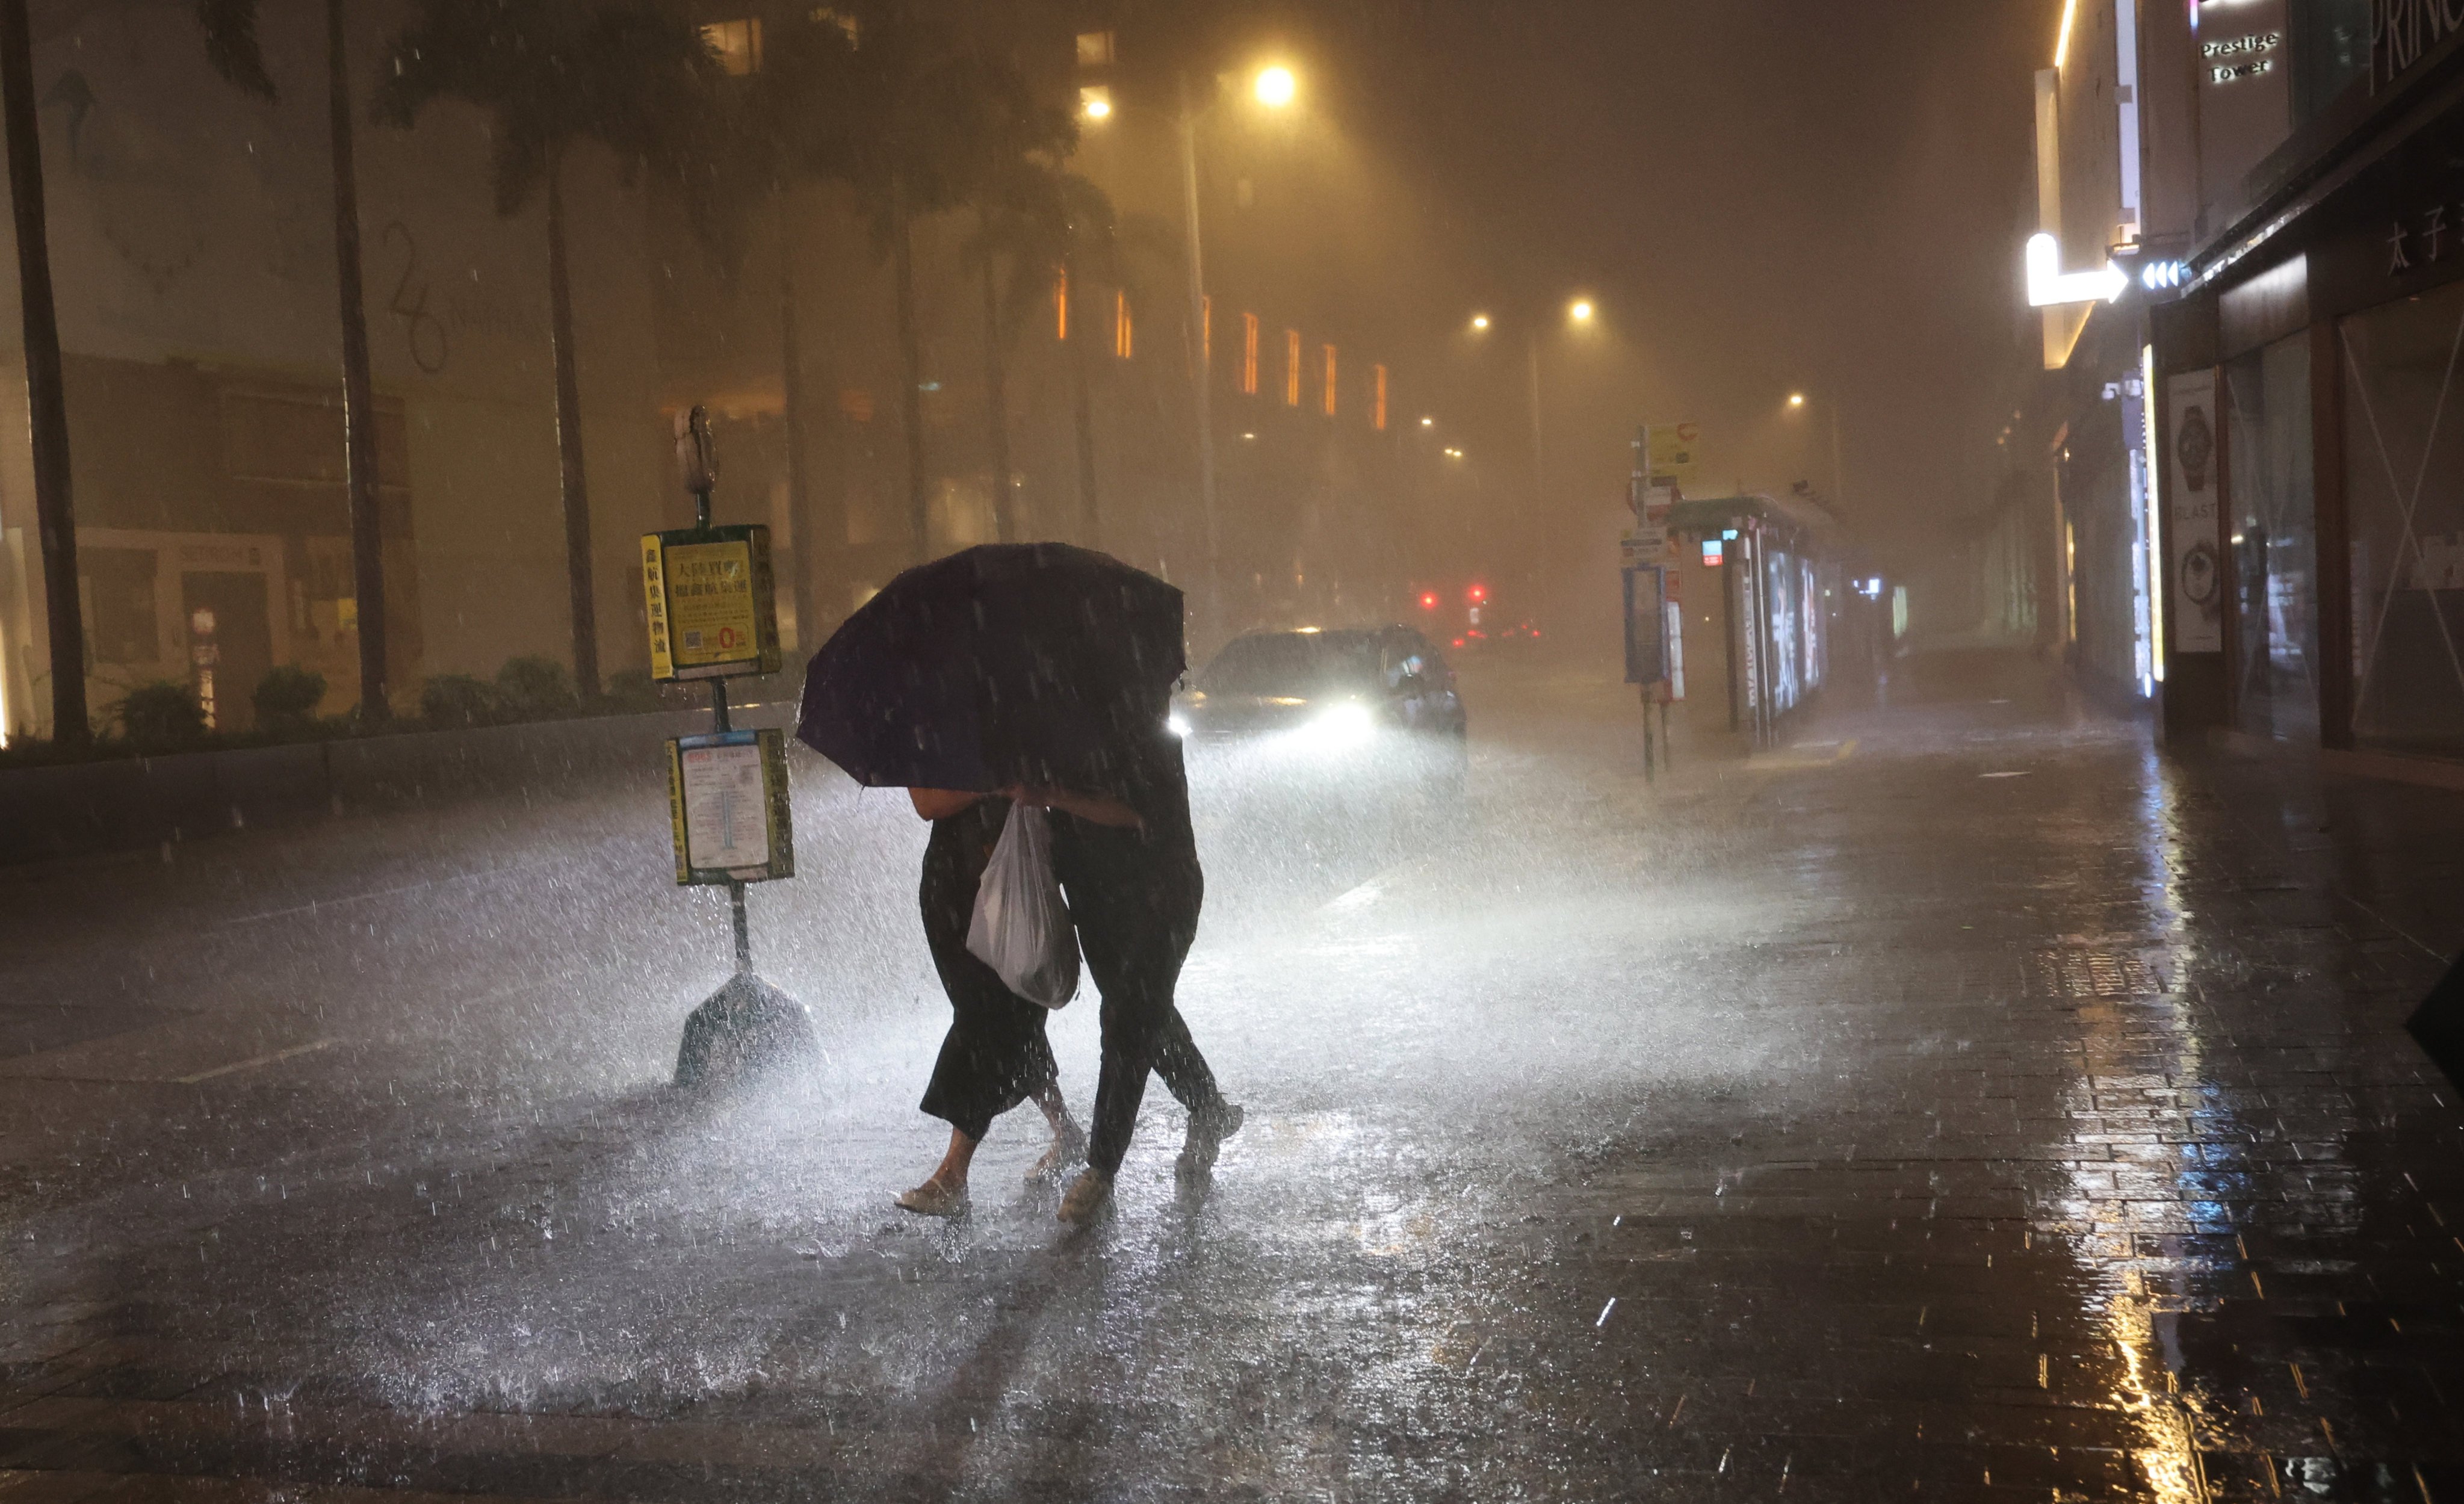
x=552 y=73
x=1026 y=209
x=1047 y=220
x=940 y=119
x=230 y=29
x=791 y=124
x=46 y=389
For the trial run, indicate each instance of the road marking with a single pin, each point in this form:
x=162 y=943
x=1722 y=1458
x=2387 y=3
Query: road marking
x=320 y=905
x=1366 y=893
x=1802 y=756
x=258 y=1060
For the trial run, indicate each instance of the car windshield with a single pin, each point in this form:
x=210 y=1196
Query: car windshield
x=1294 y=663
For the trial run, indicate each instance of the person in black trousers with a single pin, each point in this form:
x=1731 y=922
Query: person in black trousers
x=1128 y=866
x=996 y=1054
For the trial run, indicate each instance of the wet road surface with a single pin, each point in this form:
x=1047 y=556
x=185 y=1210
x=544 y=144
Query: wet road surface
x=1967 y=1101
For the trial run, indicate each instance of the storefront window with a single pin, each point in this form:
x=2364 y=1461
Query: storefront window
x=2404 y=489
x=2330 y=52
x=2275 y=542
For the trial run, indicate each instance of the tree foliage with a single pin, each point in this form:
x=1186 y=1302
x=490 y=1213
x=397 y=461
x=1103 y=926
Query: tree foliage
x=626 y=73
x=230 y=28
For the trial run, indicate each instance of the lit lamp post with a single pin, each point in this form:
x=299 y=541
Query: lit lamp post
x=1838 y=473
x=1275 y=88
x=1580 y=313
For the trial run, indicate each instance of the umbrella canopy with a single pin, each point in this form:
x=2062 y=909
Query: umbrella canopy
x=1011 y=663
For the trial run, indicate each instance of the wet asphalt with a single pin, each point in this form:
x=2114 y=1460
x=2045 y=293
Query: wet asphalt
x=1966 y=1100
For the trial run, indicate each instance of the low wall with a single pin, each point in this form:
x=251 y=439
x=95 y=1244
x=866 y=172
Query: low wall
x=131 y=803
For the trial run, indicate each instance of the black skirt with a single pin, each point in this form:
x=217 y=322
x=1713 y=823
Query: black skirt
x=996 y=1054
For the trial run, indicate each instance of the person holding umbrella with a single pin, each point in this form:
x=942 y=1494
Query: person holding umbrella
x=1043 y=673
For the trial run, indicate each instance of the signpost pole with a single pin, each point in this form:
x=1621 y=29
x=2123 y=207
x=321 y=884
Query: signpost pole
x=747 y=1025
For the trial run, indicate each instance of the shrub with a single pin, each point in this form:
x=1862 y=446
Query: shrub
x=453 y=700
x=160 y=713
x=535 y=689
x=635 y=690
x=287 y=698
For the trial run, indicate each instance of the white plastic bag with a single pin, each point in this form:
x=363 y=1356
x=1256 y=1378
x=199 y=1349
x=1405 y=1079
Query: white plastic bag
x=1020 y=927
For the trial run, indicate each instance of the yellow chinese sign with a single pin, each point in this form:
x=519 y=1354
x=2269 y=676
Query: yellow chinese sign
x=1675 y=449
x=708 y=597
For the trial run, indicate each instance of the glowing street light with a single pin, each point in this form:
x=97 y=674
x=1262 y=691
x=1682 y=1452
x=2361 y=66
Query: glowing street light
x=1095 y=103
x=1428 y=423
x=1580 y=310
x=1276 y=87
x=1838 y=466
x=1480 y=321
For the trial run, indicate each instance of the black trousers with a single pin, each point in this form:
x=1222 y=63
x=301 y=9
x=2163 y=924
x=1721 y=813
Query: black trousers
x=1134 y=899
x=996 y=1054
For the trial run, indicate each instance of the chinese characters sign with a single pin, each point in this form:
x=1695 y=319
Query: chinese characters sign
x=727 y=805
x=710 y=601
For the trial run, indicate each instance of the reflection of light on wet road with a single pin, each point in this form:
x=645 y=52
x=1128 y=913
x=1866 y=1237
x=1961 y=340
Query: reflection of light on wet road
x=2144 y=1084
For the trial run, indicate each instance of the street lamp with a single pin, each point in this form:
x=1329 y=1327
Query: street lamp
x=1838 y=471
x=1580 y=312
x=1274 y=88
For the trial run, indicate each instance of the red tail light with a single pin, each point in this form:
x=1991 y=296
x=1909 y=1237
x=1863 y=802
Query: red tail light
x=1428 y=600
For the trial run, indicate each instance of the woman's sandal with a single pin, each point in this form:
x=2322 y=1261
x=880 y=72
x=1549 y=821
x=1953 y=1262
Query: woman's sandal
x=932 y=1198
x=1069 y=1146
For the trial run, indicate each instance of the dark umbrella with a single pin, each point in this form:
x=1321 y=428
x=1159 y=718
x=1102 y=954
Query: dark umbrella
x=1009 y=663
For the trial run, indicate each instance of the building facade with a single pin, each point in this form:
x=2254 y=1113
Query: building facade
x=191 y=245
x=2248 y=339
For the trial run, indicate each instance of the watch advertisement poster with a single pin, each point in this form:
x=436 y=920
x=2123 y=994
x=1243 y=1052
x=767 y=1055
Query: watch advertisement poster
x=2193 y=453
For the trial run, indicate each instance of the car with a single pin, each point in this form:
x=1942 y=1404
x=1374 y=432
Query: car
x=1332 y=691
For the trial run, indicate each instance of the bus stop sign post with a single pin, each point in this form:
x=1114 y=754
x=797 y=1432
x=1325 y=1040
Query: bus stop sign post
x=1654 y=628
x=712 y=611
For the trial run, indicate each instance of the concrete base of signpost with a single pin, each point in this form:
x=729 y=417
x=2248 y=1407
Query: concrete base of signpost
x=747 y=1028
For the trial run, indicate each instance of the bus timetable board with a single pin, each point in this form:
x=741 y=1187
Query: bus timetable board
x=727 y=804
x=711 y=603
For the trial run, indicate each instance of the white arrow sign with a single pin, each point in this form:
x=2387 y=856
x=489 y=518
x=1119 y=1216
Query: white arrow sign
x=2048 y=285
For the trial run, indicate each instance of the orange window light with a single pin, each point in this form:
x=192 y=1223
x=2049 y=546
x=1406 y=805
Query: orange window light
x=1329 y=379
x=1124 y=338
x=1378 y=398
x=1291 y=367
x=1061 y=302
x=1249 y=354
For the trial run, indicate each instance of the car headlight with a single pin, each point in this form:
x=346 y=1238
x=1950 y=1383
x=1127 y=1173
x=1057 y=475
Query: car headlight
x=1340 y=724
x=1177 y=723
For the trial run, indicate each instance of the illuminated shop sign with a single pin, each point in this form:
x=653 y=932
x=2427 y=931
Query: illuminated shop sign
x=2403 y=30
x=2234 y=57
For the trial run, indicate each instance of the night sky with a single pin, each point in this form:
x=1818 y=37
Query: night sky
x=1765 y=195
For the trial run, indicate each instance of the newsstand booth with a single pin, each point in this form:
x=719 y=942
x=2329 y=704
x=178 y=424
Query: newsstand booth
x=1762 y=591
x=2310 y=421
